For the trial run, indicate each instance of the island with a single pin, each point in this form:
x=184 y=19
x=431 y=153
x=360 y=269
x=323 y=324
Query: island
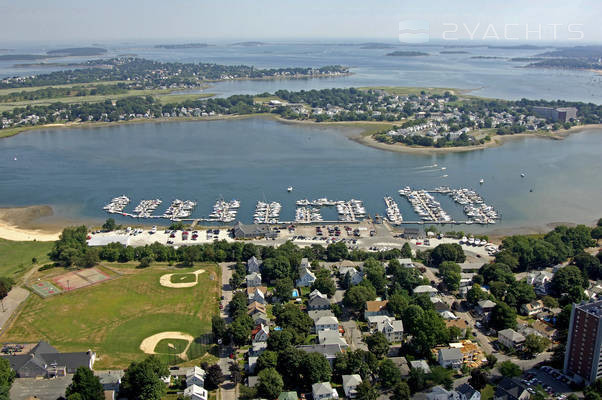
x=249 y=44
x=453 y=52
x=77 y=51
x=574 y=58
x=182 y=46
x=376 y=45
x=405 y=53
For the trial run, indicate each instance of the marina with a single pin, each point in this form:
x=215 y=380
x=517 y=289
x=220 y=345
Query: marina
x=145 y=208
x=267 y=213
x=393 y=214
x=425 y=205
x=307 y=215
x=224 y=211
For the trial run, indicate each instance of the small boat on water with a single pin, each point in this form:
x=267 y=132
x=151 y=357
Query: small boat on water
x=482 y=181
x=443 y=168
x=289 y=189
x=523 y=175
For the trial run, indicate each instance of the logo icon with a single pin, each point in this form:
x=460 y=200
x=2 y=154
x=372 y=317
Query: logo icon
x=414 y=31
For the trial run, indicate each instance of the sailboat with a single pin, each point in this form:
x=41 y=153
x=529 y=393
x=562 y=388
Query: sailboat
x=482 y=181
x=289 y=189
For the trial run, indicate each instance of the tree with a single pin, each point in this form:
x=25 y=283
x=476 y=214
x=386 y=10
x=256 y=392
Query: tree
x=142 y=380
x=86 y=385
x=240 y=330
x=588 y=264
x=535 y=344
x=283 y=289
x=450 y=273
x=267 y=359
x=388 y=373
x=214 y=377
x=406 y=250
x=280 y=340
x=337 y=251
x=109 y=225
x=509 y=369
x=359 y=362
x=270 y=383
x=377 y=344
x=476 y=294
x=324 y=283
x=365 y=391
x=401 y=391
x=315 y=368
x=235 y=372
x=568 y=278
x=416 y=380
x=356 y=297
x=502 y=317
x=7 y=376
x=447 y=252
x=478 y=379
x=218 y=328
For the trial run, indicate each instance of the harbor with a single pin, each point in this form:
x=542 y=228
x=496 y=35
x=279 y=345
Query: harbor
x=427 y=208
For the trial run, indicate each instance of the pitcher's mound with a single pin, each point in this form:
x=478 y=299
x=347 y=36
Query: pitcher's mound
x=178 y=281
x=149 y=344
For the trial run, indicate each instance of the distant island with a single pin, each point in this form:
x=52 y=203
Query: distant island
x=376 y=45
x=22 y=57
x=454 y=52
x=405 y=53
x=488 y=58
x=182 y=46
x=577 y=58
x=249 y=44
x=77 y=51
x=527 y=59
x=519 y=47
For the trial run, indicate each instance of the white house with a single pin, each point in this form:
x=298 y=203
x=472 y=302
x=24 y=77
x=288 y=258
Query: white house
x=510 y=338
x=450 y=358
x=325 y=323
x=253 y=265
x=253 y=279
x=195 y=392
x=260 y=334
x=323 y=390
x=392 y=328
x=440 y=393
x=355 y=277
x=306 y=278
x=318 y=301
x=329 y=336
x=350 y=383
x=532 y=308
x=196 y=376
x=425 y=289
x=257 y=295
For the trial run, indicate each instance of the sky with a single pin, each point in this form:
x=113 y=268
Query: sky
x=207 y=21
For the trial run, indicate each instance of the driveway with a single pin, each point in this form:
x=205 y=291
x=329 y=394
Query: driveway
x=11 y=303
x=353 y=335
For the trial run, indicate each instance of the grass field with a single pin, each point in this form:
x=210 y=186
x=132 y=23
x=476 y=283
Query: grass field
x=179 y=345
x=408 y=90
x=183 y=278
x=113 y=318
x=15 y=257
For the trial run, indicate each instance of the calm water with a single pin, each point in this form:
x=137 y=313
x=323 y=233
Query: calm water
x=79 y=170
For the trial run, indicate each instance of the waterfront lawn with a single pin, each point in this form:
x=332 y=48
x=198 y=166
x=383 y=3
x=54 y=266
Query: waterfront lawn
x=408 y=90
x=113 y=318
x=183 y=278
x=16 y=257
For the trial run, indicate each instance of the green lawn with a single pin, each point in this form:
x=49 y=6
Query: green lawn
x=113 y=318
x=16 y=257
x=179 y=345
x=183 y=278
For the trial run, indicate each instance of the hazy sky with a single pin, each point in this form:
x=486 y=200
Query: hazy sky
x=84 y=20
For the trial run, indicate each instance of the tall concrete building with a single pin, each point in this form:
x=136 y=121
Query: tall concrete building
x=561 y=114
x=582 y=356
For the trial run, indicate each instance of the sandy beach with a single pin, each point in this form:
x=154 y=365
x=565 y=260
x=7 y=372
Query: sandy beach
x=18 y=224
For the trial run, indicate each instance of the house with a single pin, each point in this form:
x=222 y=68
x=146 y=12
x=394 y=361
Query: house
x=532 y=308
x=304 y=264
x=412 y=233
x=440 y=393
x=350 y=383
x=253 y=279
x=407 y=263
x=288 y=396
x=355 y=277
x=540 y=281
x=332 y=337
x=44 y=361
x=243 y=231
x=196 y=376
x=306 y=278
x=510 y=338
x=256 y=307
x=402 y=364
x=253 y=265
x=324 y=323
x=252 y=364
x=318 y=301
x=317 y=314
x=256 y=293
x=421 y=364
x=450 y=358
x=467 y=392
x=329 y=351
x=376 y=308
x=425 y=289
x=260 y=333
x=260 y=317
x=511 y=389
x=393 y=330
x=110 y=381
x=257 y=348
x=323 y=390
x=448 y=315
x=195 y=392
x=485 y=306
x=545 y=329
x=460 y=323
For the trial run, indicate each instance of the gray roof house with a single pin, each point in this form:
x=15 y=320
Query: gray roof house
x=253 y=279
x=317 y=314
x=450 y=358
x=355 y=276
x=421 y=364
x=323 y=390
x=485 y=306
x=332 y=337
x=318 y=301
x=510 y=389
x=254 y=265
x=327 y=323
x=44 y=361
x=306 y=277
x=426 y=289
x=467 y=392
x=329 y=351
x=242 y=231
x=510 y=338
x=350 y=383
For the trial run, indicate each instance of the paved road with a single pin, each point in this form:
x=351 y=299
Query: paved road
x=228 y=391
x=11 y=302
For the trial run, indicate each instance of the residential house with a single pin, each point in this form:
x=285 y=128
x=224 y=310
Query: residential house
x=440 y=393
x=318 y=301
x=450 y=358
x=329 y=351
x=532 y=308
x=545 y=329
x=257 y=348
x=402 y=364
x=332 y=337
x=288 y=396
x=243 y=231
x=511 y=389
x=317 y=314
x=110 y=381
x=485 y=306
x=323 y=390
x=350 y=383
x=407 y=263
x=392 y=328
x=256 y=307
x=355 y=276
x=196 y=376
x=306 y=278
x=260 y=317
x=376 y=308
x=257 y=293
x=425 y=289
x=253 y=279
x=325 y=323
x=459 y=323
x=421 y=364
x=510 y=338
x=254 y=265
x=195 y=392
x=467 y=392
x=260 y=333
x=540 y=280
x=44 y=361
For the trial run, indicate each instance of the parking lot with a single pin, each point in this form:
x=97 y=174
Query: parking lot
x=553 y=381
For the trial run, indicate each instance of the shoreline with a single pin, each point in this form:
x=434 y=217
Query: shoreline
x=23 y=224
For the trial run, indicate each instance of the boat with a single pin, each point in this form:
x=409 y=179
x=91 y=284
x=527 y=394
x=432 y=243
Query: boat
x=289 y=189
x=445 y=176
x=482 y=181
x=443 y=168
x=522 y=175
